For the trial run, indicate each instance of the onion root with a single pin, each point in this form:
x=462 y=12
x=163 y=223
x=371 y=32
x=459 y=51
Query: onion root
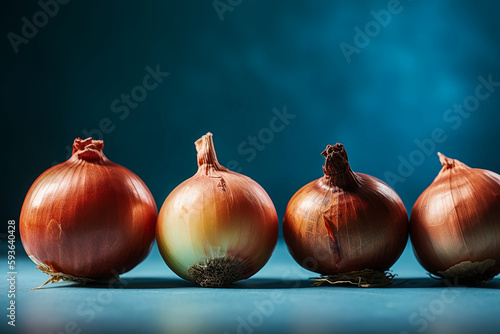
x=366 y=278
x=58 y=276
x=216 y=273
x=469 y=273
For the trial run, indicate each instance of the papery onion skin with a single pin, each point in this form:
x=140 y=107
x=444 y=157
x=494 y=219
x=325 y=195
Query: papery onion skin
x=345 y=221
x=216 y=218
x=88 y=218
x=457 y=219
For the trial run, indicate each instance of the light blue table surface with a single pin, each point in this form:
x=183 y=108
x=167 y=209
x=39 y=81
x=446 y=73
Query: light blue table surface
x=151 y=299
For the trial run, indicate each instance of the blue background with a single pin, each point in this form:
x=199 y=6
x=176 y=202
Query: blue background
x=227 y=76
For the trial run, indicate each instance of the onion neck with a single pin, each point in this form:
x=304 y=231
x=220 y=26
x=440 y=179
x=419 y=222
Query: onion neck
x=337 y=171
x=207 y=159
x=449 y=164
x=88 y=149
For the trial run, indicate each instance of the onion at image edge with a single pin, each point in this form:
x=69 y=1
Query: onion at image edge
x=218 y=226
x=87 y=219
x=349 y=226
x=455 y=224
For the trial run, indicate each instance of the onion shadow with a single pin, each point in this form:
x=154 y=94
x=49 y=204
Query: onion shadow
x=260 y=283
x=426 y=283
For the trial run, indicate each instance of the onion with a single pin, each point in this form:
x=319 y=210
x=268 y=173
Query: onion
x=218 y=226
x=349 y=226
x=455 y=224
x=87 y=219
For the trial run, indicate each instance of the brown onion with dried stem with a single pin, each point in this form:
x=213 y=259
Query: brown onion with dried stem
x=87 y=219
x=455 y=224
x=345 y=224
x=218 y=226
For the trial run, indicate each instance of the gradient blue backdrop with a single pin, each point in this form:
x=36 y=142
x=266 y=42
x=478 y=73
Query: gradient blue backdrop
x=229 y=71
x=227 y=76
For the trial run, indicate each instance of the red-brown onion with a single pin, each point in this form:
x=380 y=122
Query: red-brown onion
x=87 y=218
x=345 y=222
x=455 y=224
